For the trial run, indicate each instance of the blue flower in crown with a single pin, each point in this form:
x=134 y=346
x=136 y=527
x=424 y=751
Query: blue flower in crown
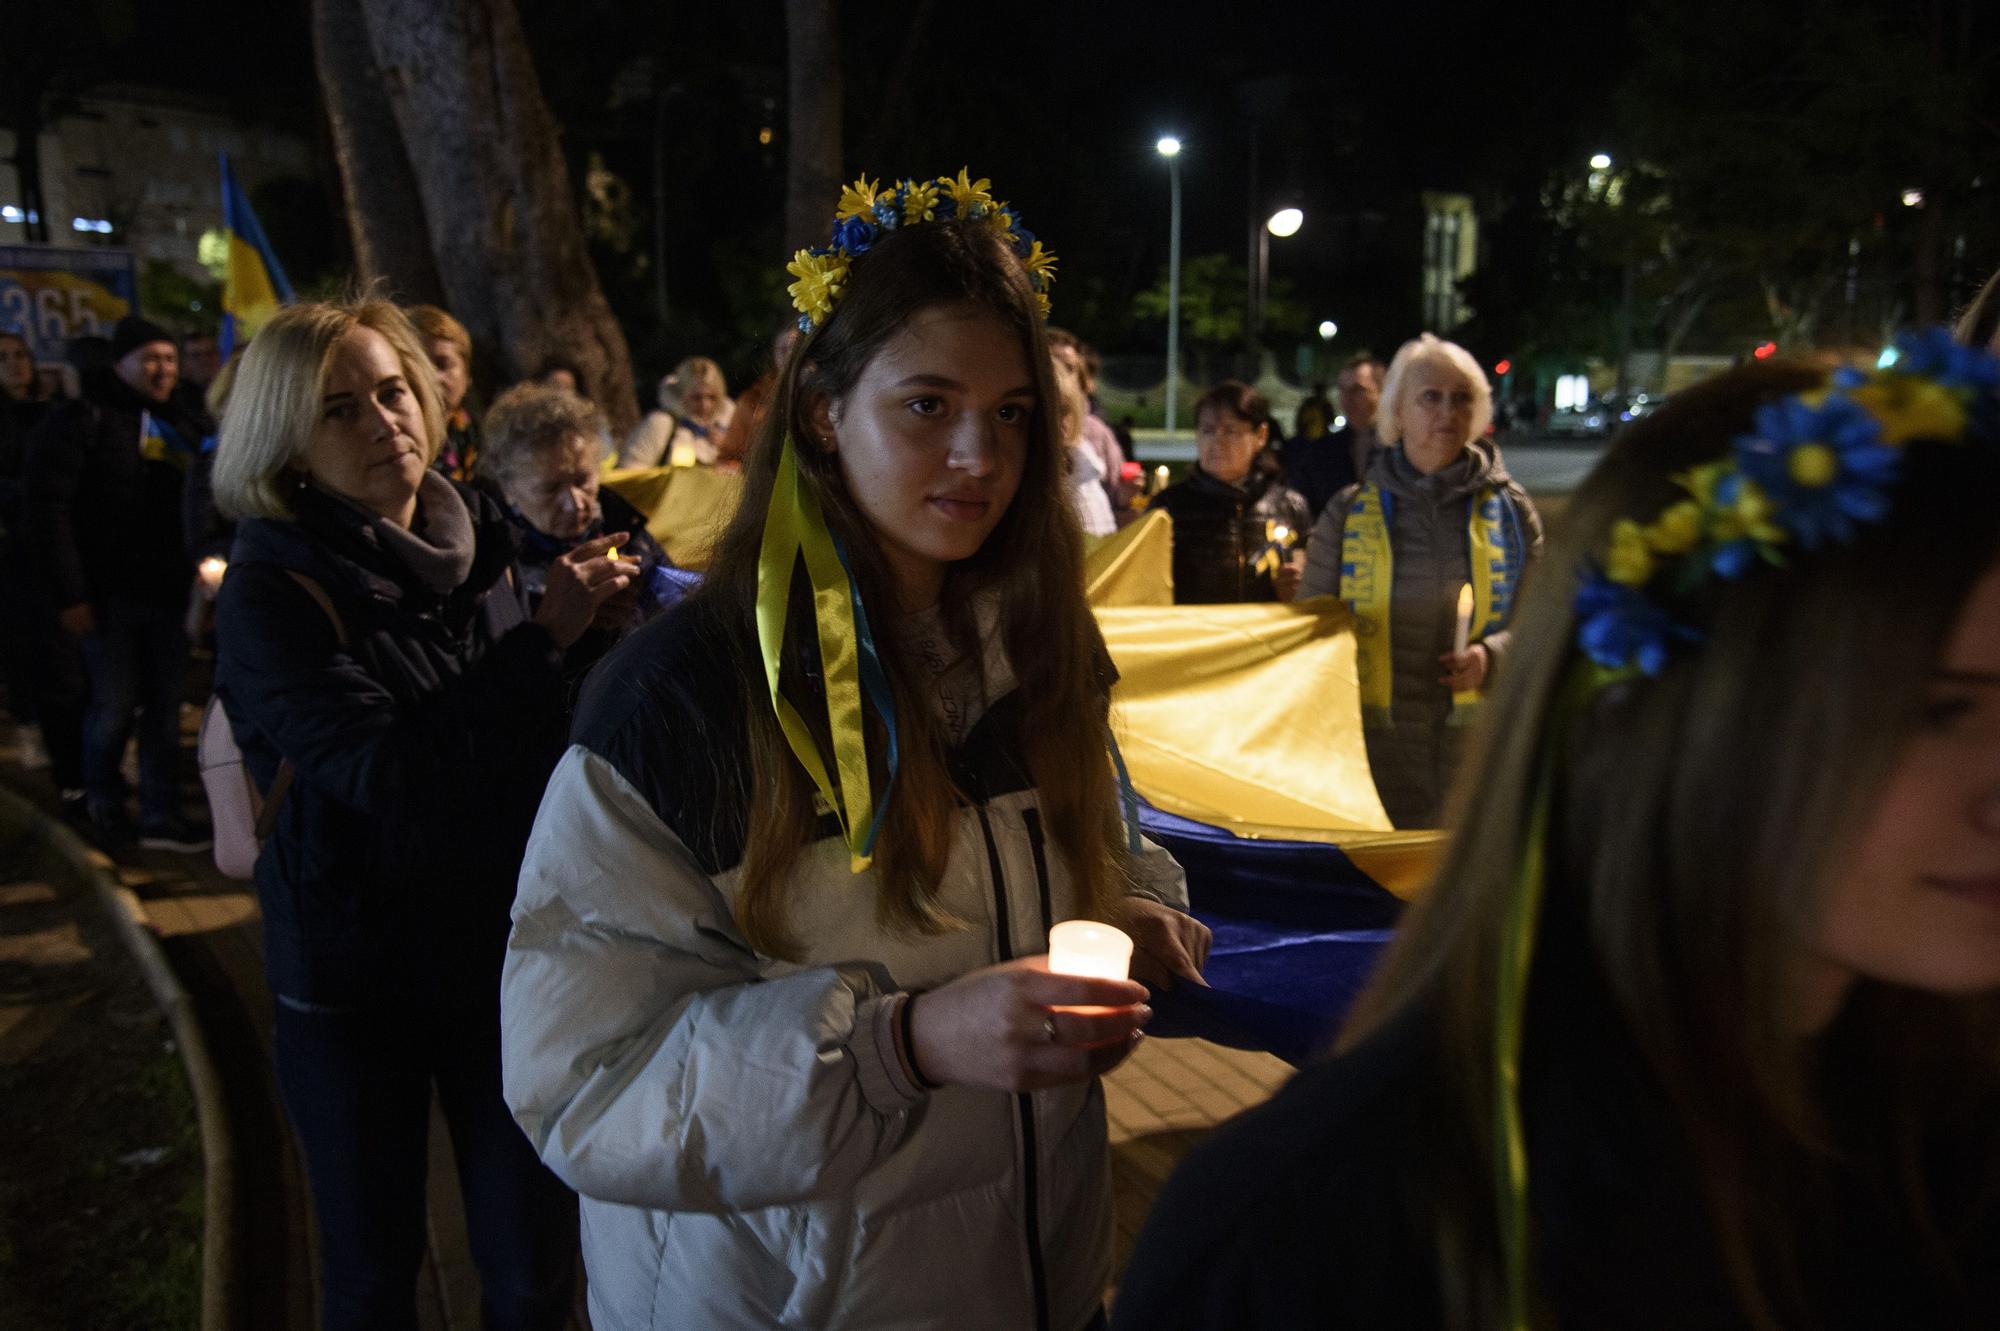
x=1618 y=627
x=1823 y=467
x=1935 y=354
x=889 y=211
x=854 y=235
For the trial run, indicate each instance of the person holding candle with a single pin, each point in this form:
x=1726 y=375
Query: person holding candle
x=544 y=456
x=403 y=706
x=1696 y=1025
x=776 y=1002
x=1435 y=514
x=1239 y=533
x=690 y=423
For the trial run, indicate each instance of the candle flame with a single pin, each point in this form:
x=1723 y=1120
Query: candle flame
x=1465 y=601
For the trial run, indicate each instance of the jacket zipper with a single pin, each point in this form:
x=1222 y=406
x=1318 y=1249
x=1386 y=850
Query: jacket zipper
x=1032 y=819
x=1024 y=1104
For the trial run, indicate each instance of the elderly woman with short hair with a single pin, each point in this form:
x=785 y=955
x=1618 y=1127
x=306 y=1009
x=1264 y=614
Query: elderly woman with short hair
x=1435 y=518
x=403 y=707
x=545 y=451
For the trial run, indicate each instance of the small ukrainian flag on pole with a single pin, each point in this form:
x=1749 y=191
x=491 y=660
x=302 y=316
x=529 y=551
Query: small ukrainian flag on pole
x=256 y=284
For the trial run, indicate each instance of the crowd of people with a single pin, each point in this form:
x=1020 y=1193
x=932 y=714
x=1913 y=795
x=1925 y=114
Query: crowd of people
x=714 y=909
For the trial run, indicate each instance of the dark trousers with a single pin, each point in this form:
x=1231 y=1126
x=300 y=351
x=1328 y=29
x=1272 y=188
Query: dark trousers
x=44 y=669
x=60 y=706
x=357 y=1087
x=135 y=660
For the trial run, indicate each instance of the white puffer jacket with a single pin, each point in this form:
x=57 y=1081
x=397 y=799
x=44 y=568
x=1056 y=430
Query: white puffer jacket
x=748 y=1148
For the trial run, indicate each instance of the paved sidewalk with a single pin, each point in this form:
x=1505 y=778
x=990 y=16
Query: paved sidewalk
x=1161 y=1101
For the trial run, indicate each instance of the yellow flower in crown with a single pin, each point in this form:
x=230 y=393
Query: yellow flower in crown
x=1743 y=512
x=1041 y=265
x=820 y=278
x=858 y=200
x=1908 y=407
x=1701 y=482
x=919 y=202
x=966 y=193
x=1629 y=561
x=1042 y=303
x=1677 y=530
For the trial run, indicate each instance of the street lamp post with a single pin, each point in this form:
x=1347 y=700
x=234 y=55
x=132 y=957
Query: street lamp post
x=1169 y=147
x=1283 y=224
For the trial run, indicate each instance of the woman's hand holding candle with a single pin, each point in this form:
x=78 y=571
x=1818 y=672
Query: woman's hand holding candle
x=1020 y=1027
x=1465 y=666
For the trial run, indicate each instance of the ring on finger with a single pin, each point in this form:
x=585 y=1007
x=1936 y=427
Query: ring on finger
x=1049 y=1028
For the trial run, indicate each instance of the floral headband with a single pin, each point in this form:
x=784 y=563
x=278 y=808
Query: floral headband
x=1814 y=468
x=867 y=212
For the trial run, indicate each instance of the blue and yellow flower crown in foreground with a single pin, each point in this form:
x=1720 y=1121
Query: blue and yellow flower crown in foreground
x=1815 y=467
x=867 y=212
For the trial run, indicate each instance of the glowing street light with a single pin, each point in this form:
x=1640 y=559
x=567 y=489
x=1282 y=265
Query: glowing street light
x=1328 y=330
x=1600 y=162
x=1168 y=146
x=1913 y=198
x=1285 y=222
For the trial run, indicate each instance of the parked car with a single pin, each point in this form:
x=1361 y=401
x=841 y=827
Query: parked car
x=1592 y=421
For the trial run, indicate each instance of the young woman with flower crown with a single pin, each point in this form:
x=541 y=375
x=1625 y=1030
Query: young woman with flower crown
x=775 y=1004
x=1699 y=1025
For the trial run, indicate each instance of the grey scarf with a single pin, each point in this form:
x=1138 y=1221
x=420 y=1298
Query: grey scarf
x=438 y=547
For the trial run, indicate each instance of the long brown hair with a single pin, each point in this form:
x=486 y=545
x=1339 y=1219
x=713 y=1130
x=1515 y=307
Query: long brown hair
x=1698 y=820
x=1029 y=568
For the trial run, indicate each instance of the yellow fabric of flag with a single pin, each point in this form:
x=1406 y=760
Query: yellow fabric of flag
x=1132 y=566
x=247 y=290
x=686 y=508
x=1248 y=717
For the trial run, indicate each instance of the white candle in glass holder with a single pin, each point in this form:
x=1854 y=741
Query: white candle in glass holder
x=1085 y=947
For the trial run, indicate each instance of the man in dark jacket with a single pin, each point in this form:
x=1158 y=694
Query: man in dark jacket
x=1321 y=467
x=103 y=510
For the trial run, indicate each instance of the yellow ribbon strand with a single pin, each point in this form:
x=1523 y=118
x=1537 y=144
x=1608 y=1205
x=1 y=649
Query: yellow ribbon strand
x=1489 y=552
x=794 y=526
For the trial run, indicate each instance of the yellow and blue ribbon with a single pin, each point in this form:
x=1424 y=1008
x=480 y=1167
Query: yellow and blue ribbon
x=795 y=528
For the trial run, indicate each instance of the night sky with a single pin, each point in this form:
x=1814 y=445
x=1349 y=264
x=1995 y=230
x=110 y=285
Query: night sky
x=1355 y=109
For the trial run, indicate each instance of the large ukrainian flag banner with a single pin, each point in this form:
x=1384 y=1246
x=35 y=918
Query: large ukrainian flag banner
x=256 y=284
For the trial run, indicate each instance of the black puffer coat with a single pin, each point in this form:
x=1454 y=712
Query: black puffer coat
x=1220 y=530
x=421 y=750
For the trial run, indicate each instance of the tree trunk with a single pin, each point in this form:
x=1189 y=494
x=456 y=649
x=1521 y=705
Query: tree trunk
x=897 y=92
x=812 y=158
x=385 y=212
x=496 y=193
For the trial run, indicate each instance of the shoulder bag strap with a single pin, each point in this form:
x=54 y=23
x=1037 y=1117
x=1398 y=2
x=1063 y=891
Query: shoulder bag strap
x=281 y=785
